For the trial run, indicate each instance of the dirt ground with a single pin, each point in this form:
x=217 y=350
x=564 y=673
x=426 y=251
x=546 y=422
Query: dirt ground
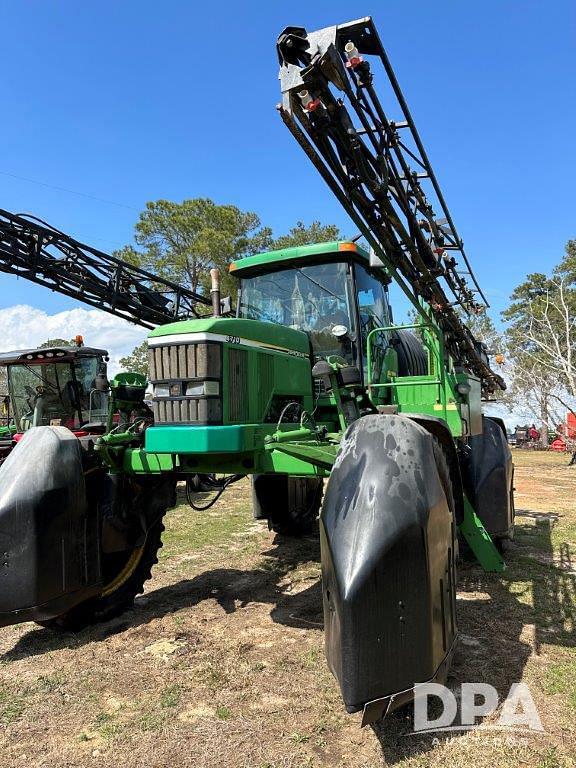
x=221 y=662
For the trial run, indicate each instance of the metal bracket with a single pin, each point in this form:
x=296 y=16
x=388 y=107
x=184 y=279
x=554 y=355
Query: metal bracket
x=479 y=541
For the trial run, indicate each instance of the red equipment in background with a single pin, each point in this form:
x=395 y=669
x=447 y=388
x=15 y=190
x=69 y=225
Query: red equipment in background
x=566 y=432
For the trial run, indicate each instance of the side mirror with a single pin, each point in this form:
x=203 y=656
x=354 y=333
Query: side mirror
x=226 y=305
x=101 y=383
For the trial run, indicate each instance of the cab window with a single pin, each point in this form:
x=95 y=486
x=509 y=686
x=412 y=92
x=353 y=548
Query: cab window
x=373 y=313
x=312 y=298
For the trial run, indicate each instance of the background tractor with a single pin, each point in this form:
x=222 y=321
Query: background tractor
x=57 y=386
x=311 y=380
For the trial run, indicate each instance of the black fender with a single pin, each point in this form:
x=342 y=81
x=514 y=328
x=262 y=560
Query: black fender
x=439 y=429
x=387 y=538
x=49 y=543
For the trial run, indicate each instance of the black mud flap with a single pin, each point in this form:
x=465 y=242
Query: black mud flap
x=488 y=475
x=49 y=547
x=387 y=539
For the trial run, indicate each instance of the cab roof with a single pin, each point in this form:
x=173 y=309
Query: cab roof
x=308 y=253
x=50 y=355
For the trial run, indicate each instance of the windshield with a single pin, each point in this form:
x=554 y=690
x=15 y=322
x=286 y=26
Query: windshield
x=313 y=299
x=56 y=394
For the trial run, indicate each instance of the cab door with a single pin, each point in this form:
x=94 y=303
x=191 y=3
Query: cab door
x=373 y=312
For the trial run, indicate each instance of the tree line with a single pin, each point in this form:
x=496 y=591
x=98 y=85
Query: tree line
x=540 y=339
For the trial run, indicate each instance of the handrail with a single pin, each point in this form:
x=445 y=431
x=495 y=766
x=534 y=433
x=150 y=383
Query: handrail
x=439 y=352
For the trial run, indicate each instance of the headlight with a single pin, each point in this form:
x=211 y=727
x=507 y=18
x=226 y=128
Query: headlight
x=202 y=388
x=187 y=389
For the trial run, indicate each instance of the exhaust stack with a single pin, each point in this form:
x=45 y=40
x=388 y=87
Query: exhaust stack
x=215 y=292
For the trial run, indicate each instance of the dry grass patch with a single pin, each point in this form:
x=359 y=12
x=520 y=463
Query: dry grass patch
x=221 y=662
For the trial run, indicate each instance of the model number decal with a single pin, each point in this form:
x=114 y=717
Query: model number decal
x=233 y=339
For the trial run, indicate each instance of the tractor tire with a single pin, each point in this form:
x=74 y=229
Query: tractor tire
x=290 y=504
x=412 y=357
x=124 y=576
x=489 y=476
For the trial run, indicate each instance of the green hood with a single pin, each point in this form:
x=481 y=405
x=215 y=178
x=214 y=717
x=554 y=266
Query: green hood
x=232 y=328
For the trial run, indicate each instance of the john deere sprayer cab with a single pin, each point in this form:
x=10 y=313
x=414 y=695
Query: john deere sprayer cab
x=312 y=381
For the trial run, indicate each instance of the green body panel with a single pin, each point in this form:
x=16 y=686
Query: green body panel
x=320 y=455
x=207 y=439
x=263 y=262
x=292 y=459
x=423 y=394
x=268 y=374
x=139 y=461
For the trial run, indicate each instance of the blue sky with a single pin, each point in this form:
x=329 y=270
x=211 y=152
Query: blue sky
x=133 y=101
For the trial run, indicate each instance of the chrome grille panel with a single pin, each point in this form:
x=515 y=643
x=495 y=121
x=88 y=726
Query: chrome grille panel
x=185 y=361
x=187 y=411
x=172 y=363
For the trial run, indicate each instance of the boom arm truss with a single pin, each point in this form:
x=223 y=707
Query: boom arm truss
x=379 y=171
x=34 y=250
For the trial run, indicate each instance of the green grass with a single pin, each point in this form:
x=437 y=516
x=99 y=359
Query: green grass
x=564 y=532
x=213 y=676
x=153 y=721
x=51 y=683
x=189 y=531
x=106 y=725
x=299 y=738
x=11 y=706
x=552 y=760
x=561 y=678
x=312 y=658
x=170 y=696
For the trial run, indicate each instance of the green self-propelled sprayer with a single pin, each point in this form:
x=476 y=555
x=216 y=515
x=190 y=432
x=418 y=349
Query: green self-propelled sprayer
x=311 y=381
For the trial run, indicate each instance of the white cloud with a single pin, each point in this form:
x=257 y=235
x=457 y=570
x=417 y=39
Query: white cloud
x=25 y=327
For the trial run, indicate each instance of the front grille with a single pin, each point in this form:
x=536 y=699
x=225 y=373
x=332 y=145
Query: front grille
x=180 y=364
x=185 y=361
x=187 y=410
